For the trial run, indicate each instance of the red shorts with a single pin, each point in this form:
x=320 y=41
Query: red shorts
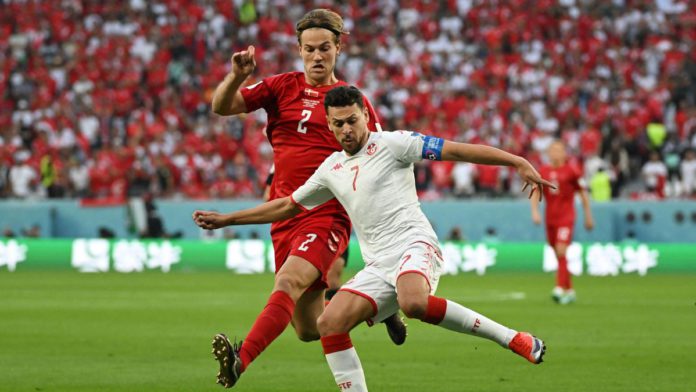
x=559 y=234
x=320 y=241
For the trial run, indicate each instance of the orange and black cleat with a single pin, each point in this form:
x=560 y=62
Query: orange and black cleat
x=529 y=347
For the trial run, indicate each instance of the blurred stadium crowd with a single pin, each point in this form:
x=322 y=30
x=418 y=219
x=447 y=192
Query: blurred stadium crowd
x=110 y=99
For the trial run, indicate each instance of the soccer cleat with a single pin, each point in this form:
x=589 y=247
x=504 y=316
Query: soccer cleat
x=529 y=347
x=396 y=329
x=568 y=297
x=227 y=355
x=557 y=294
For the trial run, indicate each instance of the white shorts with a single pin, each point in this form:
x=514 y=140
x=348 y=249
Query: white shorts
x=377 y=284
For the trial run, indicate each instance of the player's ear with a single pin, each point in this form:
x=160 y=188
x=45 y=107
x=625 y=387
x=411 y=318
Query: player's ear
x=366 y=113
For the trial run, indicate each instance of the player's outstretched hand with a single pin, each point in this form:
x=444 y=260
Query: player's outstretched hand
x=243 y=63
x=209 y=220
x=532 y=178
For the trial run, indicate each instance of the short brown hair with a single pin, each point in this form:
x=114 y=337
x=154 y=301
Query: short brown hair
x=323 y=19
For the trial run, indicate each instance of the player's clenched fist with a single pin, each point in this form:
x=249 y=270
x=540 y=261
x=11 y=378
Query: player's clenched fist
x=209 y=219
x=243 y=63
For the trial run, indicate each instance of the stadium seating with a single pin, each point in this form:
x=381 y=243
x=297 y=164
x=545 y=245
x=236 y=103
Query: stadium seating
x=111 y=99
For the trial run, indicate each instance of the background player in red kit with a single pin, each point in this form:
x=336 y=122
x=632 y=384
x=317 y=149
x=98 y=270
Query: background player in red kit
x=306 y=245
x=560 y=214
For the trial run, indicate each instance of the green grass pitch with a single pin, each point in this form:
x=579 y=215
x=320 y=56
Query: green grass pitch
x=64 y=331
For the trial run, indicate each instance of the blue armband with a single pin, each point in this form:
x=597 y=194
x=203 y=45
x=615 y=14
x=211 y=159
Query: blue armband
x=432 y=148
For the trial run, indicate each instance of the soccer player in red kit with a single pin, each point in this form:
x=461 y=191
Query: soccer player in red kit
x=306 y=245
x=560 y=214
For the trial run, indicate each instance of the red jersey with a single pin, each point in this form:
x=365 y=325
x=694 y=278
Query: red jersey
x=300 y=136
x=560 y=209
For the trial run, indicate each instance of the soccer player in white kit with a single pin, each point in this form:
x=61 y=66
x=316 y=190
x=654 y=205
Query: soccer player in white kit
x=373 y=179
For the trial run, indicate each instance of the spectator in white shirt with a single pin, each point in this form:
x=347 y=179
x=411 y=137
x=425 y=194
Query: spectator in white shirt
x=653 y=170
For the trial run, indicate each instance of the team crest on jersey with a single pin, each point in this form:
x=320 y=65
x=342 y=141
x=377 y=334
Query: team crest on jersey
x=371 y=149
x=311 y=93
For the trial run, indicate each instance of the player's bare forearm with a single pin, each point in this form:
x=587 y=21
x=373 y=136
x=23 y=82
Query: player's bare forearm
x=478 y=153
x=272 y=211
x=227 y=100
x=585 y=200
x=535 y=206
x=268 y=212
x=536 y=216
x=486 y=155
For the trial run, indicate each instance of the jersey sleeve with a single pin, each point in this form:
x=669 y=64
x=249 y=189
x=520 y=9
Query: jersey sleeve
x=374 y=124
x=261 y=94
x=411 y=147
x=313 y=192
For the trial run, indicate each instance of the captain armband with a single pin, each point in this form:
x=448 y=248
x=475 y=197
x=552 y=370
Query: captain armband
x=432 y=148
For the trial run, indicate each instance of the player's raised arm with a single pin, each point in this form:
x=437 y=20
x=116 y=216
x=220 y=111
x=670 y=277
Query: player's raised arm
x=486 y=155
x=272 y=211
x=227 y=100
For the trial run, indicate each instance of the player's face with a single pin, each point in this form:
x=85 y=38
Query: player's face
x=318 y=51
x=349 y=125
x=557 y=154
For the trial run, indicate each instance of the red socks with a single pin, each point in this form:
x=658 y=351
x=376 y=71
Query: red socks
x=437 y=307
x=563 y=275
x=336 y=343
x=272 y=321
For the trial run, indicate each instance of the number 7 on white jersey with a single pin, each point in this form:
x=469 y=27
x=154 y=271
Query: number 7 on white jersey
x=306 y=114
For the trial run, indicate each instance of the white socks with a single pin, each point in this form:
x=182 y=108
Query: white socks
x=344 y=363
x=347 y=370
x=461 y=319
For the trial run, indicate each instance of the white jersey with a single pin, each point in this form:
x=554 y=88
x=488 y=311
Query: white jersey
x=377 y=188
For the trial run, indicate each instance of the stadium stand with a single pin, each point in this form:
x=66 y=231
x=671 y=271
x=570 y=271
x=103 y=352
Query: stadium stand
x=106 y=100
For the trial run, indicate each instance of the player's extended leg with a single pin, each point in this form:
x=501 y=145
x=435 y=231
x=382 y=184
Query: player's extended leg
x=307 y=309
x=293 y=278
x=563 y=278
x=416 y=302
x=344 y=312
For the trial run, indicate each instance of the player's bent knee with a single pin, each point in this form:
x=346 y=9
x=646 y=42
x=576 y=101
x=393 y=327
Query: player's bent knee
x=307 y=335
x=292 y=285
x=328 y=325
x=413 y=307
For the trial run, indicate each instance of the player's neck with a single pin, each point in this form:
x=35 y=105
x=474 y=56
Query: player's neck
x=557 y=164
x=330 y=80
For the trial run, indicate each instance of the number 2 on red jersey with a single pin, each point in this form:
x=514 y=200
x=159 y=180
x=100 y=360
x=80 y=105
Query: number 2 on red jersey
x=306 y=114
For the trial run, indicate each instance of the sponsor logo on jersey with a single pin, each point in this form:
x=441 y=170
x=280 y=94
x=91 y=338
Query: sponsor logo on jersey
x=253 y=86
x=337 y=166
x=371 y=149
x=311 y=93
